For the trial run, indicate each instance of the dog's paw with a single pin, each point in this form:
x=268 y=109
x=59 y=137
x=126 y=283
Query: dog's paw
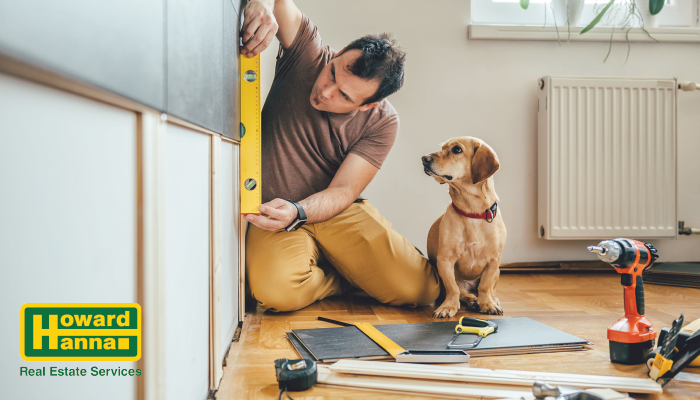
x=473 y=306
x=491 y=308
x=446 y=310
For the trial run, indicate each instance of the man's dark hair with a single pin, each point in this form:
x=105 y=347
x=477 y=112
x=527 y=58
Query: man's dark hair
x=381 y=59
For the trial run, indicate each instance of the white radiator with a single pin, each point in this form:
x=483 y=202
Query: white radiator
x=606 y=158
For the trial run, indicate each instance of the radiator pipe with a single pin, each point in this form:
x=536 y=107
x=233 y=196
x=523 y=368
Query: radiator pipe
x=688 y=86
x=682 y=230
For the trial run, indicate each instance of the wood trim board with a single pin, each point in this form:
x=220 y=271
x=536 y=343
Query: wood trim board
x=216 y=370
x=140 y=278
x=494 y=376
x=242 y=228
x=152 y=141
x=457 y=390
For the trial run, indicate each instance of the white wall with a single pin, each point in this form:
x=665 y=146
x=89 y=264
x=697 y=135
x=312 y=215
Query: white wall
x=458 y=87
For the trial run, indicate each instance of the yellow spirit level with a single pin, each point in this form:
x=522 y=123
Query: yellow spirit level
x=251 y=173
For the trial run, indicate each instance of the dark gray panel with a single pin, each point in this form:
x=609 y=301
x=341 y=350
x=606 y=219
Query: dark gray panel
x=513 y=335
x=232 y=114
x=116 y=45
x=195 y=58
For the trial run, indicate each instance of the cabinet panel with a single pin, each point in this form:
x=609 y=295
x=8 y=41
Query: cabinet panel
x=115 y=45
x=186 y=248
x=68 y=207
x=195 y=59
x=230 y=220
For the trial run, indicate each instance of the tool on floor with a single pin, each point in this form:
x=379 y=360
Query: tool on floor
x=662 y=362
x=399 y=353
x=678 y=350
x=480 y=327
x=685 y=333
x=632 y=336
x=295 y=375
x=251 y=172
x=542 y=390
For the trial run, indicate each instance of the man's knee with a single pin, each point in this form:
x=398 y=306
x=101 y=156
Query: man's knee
x=278 y=298
x=415 y=293
x=271 y=287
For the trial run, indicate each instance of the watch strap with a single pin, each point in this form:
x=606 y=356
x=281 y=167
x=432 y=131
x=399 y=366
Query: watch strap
x=300 y=220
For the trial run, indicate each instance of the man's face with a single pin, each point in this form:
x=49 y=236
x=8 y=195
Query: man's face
x=337 y=90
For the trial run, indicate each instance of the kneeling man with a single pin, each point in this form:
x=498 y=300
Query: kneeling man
x=326 y=130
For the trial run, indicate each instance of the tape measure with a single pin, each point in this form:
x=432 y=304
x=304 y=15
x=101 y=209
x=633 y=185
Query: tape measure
x=251 y=172
x=295 y=375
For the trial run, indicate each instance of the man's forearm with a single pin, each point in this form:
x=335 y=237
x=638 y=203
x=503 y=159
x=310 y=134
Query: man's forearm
x=326 y=204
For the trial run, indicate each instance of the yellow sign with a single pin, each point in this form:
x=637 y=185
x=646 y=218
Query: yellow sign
x=80 y=331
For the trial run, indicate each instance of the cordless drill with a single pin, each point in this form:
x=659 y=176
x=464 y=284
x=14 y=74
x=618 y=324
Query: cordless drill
x=631 y=337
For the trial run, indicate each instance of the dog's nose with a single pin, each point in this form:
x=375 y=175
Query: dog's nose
x=427 y=159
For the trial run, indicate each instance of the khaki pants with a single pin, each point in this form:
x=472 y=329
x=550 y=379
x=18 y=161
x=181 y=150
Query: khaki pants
x=287 y=271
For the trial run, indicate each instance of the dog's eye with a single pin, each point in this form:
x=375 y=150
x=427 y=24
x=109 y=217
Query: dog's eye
x=456 y=150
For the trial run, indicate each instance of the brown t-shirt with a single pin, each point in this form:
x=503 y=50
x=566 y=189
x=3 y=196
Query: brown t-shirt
x=302 y=148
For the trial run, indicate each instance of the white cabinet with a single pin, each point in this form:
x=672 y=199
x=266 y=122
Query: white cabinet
x=68 y=223
x=186 y=268
x=102 y=204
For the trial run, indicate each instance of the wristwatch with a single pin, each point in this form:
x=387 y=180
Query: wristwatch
x=301 y=218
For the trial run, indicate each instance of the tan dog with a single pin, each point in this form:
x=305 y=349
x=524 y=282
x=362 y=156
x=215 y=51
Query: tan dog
x=467 y=249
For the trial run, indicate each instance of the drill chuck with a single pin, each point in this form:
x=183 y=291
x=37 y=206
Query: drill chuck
x=607 y=250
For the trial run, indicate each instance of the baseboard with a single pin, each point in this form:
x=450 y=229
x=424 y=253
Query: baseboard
x=557 y=266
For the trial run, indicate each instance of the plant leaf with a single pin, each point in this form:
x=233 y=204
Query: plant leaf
x=599 y=17
x=655 y=6
x=524 y=4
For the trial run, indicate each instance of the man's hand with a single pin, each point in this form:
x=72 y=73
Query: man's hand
x=280 y=214
x=259 y=28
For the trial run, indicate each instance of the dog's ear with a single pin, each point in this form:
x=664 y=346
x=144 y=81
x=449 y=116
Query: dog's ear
x=484 y=163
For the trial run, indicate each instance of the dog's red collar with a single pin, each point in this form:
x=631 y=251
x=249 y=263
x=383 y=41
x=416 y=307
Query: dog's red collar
x=488 y=215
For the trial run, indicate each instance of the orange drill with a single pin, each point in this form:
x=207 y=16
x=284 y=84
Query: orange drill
x=631 y=337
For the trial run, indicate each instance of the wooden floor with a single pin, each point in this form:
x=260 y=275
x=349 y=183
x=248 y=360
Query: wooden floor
x=581 y=304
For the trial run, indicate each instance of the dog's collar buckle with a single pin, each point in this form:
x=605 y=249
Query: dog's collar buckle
x=488 y=215
x=491 y=213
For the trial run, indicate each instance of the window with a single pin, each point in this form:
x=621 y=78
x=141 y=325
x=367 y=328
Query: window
x=676 y=13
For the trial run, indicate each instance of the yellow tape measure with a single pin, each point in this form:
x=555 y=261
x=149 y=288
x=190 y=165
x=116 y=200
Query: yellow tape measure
x=251 y=173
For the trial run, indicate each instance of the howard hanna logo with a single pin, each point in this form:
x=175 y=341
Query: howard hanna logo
x=80 y=332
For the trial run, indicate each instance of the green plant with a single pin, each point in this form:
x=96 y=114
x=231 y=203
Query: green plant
x=655 y=7
x=631 y=15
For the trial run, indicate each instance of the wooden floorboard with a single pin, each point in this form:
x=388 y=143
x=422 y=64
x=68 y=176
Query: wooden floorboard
x=581 y=304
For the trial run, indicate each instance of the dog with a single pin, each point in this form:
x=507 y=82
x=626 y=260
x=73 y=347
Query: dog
x=466 y=242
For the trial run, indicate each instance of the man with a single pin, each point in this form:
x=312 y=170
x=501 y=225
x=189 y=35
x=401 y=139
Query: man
x=326 y=129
